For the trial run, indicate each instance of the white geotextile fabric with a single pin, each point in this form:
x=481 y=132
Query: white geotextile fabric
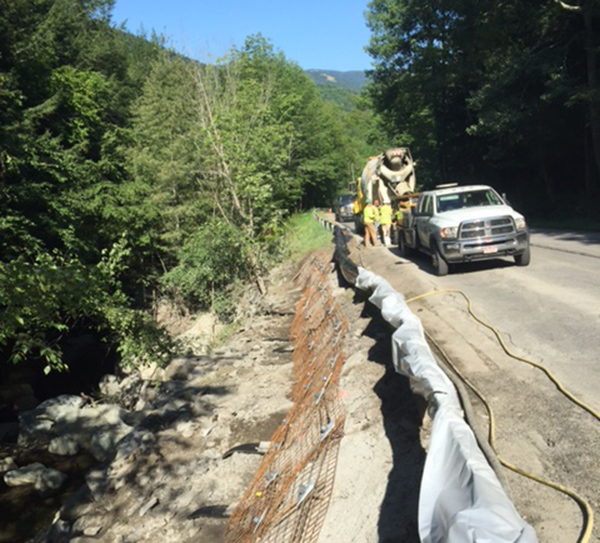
x=461 y=499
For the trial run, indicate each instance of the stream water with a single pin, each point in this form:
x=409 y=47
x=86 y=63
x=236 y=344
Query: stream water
x=23 y=511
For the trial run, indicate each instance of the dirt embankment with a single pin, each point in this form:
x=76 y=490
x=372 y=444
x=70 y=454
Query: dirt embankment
x=175 y=486
x=171 y=482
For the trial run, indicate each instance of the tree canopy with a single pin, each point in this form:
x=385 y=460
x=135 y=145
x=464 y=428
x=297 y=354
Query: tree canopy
x=129 y=172
x=501 y=92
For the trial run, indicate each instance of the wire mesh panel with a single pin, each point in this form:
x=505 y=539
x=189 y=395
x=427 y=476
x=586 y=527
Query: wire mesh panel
x=288 y=499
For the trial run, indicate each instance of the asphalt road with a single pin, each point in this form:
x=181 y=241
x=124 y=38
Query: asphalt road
x=549 y=311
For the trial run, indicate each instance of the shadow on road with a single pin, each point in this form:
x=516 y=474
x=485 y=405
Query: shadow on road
x=587 y=238
x=423 y=262
x=402 y=413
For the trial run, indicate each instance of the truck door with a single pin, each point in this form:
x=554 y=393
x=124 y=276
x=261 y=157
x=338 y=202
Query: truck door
x=424 y=214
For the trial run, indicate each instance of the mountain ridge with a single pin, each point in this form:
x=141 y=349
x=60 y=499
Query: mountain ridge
x=352 y=80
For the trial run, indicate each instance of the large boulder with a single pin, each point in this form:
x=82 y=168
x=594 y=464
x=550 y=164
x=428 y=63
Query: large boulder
x=45 y=480
x=67 y=424
x=38 y=424
x=63 y=446
x=27 y=475
x=96 y=429
x=7 y=464
x=49 y=480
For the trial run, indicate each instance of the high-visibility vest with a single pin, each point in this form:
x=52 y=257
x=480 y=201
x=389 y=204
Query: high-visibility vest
x=386 y=214
x=370 y=214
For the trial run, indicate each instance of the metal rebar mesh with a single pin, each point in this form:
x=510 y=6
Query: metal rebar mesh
x=288 y=499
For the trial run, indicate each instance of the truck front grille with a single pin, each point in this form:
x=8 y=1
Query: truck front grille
x=487 y=228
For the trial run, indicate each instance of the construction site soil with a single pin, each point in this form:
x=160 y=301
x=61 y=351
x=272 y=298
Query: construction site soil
x=182 y=489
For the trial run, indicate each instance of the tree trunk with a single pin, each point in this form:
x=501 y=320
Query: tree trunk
x=592 y=69
x=585 y=9
x=548 y=184
x=260 y=282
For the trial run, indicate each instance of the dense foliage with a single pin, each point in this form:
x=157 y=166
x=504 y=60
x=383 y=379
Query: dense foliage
x=67 y=217
x=501 y=92
x=128 y=172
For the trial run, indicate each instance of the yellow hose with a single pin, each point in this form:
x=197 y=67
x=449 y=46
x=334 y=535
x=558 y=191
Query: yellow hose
x=583 y=504
x=560 y=387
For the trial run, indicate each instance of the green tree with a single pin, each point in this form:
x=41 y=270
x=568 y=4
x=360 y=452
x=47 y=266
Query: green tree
x=237 y=145
x=164 y=158
x=211 y=263
x=499 y=91
x=420 y=81
x=65 y=205
x=268 y=139
x=589 y=12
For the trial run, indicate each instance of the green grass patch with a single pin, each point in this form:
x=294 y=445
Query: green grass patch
x=304 y=234
x=223 y=335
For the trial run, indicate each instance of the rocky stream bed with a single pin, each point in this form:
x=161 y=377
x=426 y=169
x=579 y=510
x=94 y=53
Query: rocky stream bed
x=144 y=457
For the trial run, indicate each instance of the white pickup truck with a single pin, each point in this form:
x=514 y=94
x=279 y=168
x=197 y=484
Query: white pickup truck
x=462 y=224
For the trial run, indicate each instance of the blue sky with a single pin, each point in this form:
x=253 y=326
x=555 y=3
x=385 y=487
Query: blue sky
x=325 y=34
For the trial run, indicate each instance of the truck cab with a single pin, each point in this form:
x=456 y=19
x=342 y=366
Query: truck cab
x=344 y=208
x=462 y=224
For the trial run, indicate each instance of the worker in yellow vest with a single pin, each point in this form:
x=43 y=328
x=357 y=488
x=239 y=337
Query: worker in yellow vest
x=385 y=218
x=370 y=215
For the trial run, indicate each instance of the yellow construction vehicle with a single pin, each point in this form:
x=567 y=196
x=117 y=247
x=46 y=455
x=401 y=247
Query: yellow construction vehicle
x=388 y=178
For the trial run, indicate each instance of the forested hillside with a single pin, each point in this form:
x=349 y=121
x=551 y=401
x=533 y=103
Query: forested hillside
x=502 y=92
x=129 y=173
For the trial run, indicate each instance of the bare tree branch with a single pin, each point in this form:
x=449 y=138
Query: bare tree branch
x=569 y=7
x=220 y=207
x=207 y=118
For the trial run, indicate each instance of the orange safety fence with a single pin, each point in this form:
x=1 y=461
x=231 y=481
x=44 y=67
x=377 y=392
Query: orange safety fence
x=288 y=499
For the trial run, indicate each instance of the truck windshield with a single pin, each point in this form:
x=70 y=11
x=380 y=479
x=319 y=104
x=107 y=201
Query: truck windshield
x=346 y=199
x=472 y=198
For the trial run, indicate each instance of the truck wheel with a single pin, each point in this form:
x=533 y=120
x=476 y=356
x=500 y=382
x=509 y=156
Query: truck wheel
x=524 y=258
x=440 y=265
